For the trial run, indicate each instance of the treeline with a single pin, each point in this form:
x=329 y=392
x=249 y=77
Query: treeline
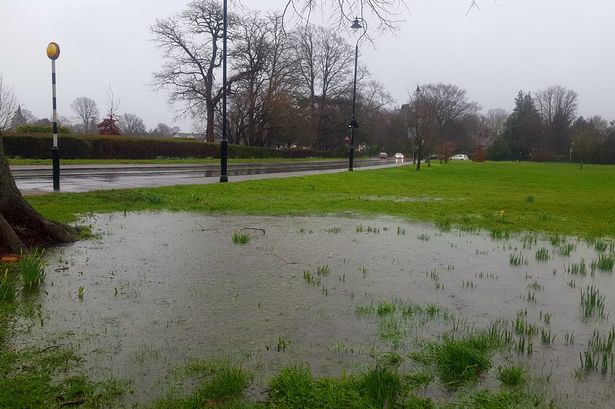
x=544 y=126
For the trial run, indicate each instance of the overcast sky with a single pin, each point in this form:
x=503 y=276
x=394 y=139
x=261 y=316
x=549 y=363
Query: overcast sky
x=493 y=53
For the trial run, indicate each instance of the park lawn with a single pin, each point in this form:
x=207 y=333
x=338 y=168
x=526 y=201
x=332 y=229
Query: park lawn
x=504 y=196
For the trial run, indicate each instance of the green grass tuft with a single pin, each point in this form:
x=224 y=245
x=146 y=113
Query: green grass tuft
x=7 y=288
x=32 y=268
x=512 y=376
x=241 y=238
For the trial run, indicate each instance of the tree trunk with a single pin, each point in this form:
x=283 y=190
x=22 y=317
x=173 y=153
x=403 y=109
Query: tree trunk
x=20 y=225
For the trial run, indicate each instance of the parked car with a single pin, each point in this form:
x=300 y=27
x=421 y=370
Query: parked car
x=399 y=155
x=459 y=156
x=383 y=155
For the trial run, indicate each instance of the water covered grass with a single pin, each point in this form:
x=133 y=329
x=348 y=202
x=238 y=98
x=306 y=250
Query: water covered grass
x=492 y=196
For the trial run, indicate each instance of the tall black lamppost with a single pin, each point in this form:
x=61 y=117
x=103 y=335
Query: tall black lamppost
x=356 y=25
x=224 y=142
x=53 y=52
x=419 y=140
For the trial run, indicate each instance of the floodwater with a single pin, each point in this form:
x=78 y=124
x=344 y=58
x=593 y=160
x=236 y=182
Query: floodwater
x=158 y=289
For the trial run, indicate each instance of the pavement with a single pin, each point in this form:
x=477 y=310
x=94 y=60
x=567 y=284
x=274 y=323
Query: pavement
x=37 y=179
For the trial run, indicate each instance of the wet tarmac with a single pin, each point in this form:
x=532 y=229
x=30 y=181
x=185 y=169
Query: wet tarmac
x=33 y=180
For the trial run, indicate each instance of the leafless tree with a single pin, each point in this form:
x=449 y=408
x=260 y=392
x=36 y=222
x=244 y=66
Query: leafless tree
x=164 y=131
x=495 y=121
x=557 y=107
x=323 y=68
x=131 y=124
x=445 y=104
x=8 y=105
x=87 y=111
x=192 y=55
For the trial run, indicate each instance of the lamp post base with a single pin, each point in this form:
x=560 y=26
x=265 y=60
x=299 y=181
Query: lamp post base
x=223 y=162
x=55 y=159
x=351 y=159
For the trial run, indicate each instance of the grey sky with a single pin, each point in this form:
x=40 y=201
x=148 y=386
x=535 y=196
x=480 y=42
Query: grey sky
x=509 y=45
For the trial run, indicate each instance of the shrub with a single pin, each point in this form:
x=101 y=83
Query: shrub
x=41 y=129
x=38 y=146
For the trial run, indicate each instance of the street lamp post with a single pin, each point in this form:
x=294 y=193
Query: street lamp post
x=224 y=142
x=356 y=25
x=53 y=52
x=419 y=141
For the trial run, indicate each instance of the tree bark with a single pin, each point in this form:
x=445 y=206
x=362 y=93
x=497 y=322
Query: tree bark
x=20 y=225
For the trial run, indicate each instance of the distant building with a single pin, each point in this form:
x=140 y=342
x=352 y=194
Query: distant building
x=187 y=135
x=18 y=118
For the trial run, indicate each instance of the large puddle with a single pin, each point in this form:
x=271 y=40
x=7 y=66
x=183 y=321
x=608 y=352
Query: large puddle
x=159 y=289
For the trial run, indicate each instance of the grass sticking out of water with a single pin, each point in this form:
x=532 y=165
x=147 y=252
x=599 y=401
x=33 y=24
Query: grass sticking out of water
x=241 y=238
x=577 y=268
x=7 y=288
x=512 y=376
x=565 y=249
x=592 y=303
x=220 y=385
x=604 y=263
x=32 y=268
x=380 y=387
x=38 y=379
x=460 y=361
x=423 y=237
x=598 y=357
x=600 y=245
x=333 y=230
x=542 y=254
x=517 y=259
x=323 y=270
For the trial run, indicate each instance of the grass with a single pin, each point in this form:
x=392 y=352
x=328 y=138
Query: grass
x=44 y=377
x=542 y=254
x=572 y=201
x=7 y=289
x=32 y=269
x=604 y=263
x=592 y=303
x=460 y=360
x=512 y=376
x=241 y=238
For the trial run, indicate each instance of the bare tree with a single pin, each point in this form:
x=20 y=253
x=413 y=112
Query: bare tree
x=131 y=124
x=557 y=107
x=446 y=104
x=163 y=130
x=8 y=105
x=192 y=55
x=495 y=120
x=323 y=67
x=87 y=111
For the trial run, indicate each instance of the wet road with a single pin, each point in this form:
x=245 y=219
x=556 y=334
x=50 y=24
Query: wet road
x=83 y=178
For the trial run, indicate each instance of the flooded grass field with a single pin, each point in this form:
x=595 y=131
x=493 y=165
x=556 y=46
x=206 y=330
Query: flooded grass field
x=157 y=290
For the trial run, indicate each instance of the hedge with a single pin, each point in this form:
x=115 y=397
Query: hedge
x=125 y=147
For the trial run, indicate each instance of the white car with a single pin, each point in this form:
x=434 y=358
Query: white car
x=383 y=155
x=399 y=155
x=459 y=156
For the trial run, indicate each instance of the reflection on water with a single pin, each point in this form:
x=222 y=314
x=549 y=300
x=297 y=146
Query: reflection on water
x=161 y=288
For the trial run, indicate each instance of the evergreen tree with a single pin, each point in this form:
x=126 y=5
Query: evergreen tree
x=523 y=128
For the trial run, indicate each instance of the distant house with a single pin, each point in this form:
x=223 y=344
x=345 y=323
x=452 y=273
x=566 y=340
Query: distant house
x=187 y=135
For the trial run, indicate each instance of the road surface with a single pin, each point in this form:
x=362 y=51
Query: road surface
x=83 y=178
